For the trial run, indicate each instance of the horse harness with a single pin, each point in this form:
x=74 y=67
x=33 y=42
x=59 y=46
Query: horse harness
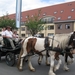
x=50 y=48
x=57 y=49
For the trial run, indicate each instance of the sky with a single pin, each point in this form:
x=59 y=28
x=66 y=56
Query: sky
x=9 y=6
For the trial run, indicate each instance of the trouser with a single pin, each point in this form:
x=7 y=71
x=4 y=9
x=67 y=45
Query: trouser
x=11 y=42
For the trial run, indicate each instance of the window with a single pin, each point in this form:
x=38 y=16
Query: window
x=26 y=16
x=60 y=26
x=50 y=27
x=50 y=20
x=44 y=14
x=67 y=26
x=23 y=28
x=61 y=11
x=59 y=18
x=22 y=23
x=72 y=9
x=55 y=12
x=69 y=17
x=50 y=34
x=23 y=35
x=45 y=20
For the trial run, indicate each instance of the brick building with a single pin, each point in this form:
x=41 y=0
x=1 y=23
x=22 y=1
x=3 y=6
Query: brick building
x=63 y=21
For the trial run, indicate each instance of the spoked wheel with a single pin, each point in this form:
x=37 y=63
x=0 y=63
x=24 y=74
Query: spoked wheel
x=10 y=59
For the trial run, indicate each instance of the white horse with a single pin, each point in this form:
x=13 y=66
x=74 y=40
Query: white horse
x=64 y=40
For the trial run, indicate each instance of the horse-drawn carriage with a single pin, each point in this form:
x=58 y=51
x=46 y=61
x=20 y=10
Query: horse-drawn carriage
x=9 y=53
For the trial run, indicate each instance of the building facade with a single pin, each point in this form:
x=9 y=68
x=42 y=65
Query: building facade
x=63 y=21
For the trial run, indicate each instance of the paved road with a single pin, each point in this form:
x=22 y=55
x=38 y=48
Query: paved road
x=40 y=70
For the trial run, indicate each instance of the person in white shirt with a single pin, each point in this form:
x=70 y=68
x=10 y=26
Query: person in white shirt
x=2 y=33
x=9 y=35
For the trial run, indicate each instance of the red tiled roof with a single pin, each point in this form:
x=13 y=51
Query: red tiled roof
x=62 y=11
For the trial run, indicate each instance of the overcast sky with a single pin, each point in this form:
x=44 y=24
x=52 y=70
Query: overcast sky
x=9 y=6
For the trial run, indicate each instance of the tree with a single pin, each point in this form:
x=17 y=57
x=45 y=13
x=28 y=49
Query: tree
x=34 y=24
x=6 y=21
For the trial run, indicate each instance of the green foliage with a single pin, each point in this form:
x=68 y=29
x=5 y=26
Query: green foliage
x=6 y=21
x=34 y=24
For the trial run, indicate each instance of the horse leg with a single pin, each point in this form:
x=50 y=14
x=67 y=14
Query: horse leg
x=65 y=63
x=47 y=61
x=30 y=65
x=40 y=59
x=21 y=64
x=56 y=67
x=52 y=57
x=20 y=60
x=72 y=59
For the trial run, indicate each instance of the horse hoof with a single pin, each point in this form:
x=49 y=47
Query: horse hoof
x=32 y=70
x=47 y=64
x=52 y=74
x=39 y=63
x=55 y=68
x=20 y=69
x=67 y=69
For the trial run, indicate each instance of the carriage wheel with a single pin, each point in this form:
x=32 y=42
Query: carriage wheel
x=10 y=59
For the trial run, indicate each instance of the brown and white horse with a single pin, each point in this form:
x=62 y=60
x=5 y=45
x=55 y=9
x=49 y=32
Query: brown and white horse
x=37 y=45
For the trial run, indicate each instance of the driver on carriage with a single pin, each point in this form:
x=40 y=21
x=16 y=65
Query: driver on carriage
x=8 y=34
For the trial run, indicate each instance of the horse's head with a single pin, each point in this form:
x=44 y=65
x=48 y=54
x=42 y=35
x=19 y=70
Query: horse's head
x=72 y=42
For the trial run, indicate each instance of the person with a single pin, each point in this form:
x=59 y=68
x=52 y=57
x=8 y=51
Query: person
x=15 y=36
x=9 y=35
x=3 y=31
